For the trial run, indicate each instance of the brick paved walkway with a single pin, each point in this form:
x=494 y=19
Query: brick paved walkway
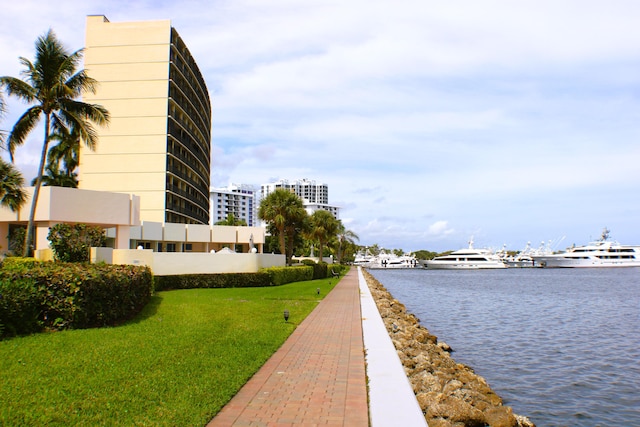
x=317 y=377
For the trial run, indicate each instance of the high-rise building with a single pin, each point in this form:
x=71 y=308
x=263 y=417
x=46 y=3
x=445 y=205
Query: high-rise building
x=314 y=196
x=236 y=200
x=158 y=144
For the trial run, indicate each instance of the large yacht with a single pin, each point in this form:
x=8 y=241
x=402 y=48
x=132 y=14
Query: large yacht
x=467 y=259
x=385 y=260
x=601 y=253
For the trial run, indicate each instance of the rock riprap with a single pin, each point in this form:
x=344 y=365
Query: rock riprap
x=449 y=393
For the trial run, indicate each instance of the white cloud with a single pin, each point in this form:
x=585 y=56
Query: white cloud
x=515 y=119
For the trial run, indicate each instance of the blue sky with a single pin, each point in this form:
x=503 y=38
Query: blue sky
x=430 y=121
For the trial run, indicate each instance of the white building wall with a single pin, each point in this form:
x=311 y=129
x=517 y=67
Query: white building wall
x=239 y=200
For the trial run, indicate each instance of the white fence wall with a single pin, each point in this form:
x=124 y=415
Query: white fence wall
x=172 y=263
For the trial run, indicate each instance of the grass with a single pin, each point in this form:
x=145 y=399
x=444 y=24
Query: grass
x=177 y=364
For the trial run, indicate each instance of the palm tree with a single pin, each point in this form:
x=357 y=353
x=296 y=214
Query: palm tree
x=12 y=195
x=344 y=238
x=232 y=220
x=2 y=133
x=323 y=226
x=65 y=154
x=281 y=210
x=53 y=176
x=52 y=86
x=296 y=228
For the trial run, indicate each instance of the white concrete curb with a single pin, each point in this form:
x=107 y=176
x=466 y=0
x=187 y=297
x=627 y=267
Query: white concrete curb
x=391 y=398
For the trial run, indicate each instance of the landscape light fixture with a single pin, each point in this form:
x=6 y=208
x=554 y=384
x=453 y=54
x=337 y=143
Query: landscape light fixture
x=318 y=291
x=286 y=315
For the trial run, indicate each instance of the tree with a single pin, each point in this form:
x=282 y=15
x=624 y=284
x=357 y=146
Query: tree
x=296 y=229
x=344 y=238
x=52 y=85
x=2 y=111
x=55 y=177
x=73 y=243
x=281 y=209
x=323 y=226
x=232 y=220
x=64 y=158
x=12 y=194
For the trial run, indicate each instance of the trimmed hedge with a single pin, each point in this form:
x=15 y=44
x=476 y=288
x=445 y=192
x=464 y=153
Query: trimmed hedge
x=222 y=280
x=319 y=269
x=284 y=275
x=20 y=306
x=273 y=276
x=37 y=295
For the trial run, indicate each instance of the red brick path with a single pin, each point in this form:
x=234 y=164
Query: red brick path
x=317 y=377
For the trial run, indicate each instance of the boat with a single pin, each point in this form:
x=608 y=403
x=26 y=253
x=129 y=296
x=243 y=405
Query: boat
x=363 y=258
x=385 y=260
x=525 y=257
x=601 y=253
x=467 y=259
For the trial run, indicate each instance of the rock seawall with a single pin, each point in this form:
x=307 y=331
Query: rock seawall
x=449 y=393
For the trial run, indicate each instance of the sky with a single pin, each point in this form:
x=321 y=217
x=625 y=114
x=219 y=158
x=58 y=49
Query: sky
x=431 y=122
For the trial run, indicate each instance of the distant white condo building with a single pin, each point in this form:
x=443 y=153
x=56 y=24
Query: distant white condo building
x=238 y=200
x=314 y=196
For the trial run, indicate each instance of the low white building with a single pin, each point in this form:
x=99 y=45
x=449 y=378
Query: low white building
x=165 y=247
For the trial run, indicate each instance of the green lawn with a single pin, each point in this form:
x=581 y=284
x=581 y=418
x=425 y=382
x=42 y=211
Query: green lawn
x=176 y=364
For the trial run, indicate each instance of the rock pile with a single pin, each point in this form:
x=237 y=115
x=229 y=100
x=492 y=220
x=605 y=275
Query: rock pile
x=449 y=393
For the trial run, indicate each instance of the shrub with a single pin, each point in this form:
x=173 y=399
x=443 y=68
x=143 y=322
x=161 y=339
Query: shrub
x=19 y=264
x=72 y=242
x=273 y=276
x=284 y=275
x=319 y=269
x=16 y=240
x=222 y=280
x=20 y=306
x=71 y=295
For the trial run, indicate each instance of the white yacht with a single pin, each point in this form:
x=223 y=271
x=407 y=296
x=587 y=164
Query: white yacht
x=525 y=257
x=467 y=259
x=385 y=260
x=602 y=253
x=363 y=258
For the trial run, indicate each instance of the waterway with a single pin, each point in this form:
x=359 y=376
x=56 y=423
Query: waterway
x=560 y=346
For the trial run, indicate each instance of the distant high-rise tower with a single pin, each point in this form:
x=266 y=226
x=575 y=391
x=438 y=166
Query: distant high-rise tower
x=158 y=144
x=236 y=200
x=314 y=196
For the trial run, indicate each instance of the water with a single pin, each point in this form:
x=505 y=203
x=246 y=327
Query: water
x=561 y=346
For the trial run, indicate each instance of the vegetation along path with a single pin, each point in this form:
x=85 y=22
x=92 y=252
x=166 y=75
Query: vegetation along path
x=177 y=364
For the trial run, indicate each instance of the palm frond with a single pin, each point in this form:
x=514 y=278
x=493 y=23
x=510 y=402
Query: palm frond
x=25 y=124
x=18 y=88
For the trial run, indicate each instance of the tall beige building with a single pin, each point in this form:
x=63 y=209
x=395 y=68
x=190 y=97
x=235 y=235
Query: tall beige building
x=158 y=144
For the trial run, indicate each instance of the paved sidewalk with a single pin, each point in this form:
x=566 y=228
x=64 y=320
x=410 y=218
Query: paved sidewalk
x=317 y=377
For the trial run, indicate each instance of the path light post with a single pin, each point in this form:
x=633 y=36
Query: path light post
x=286 y=315
x=318 y=291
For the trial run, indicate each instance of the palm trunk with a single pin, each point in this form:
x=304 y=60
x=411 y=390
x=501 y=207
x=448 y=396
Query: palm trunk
x=36 y=189
x=281 y=242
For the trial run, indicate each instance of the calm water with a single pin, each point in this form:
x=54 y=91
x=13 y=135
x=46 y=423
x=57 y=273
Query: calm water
x=561 y=346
